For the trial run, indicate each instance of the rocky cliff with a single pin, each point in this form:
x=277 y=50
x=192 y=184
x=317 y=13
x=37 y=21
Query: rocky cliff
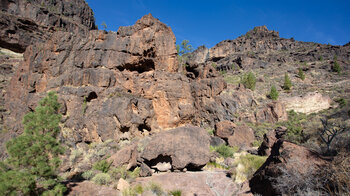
x=118 y=90
x=23 y=23
x=260 y=47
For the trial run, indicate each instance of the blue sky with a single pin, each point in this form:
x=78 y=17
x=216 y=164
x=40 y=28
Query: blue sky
x=209 y=22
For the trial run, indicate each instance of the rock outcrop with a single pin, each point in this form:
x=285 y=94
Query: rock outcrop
x=183 y=147
x=117 y=85
x=235 y=135
x=260 y=48
x=93 y=75
x=312 y=102
x=24 y=23
x=270 y=139
x=286 y=158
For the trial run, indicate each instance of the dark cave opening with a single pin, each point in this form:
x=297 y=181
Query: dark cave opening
x=142 y=127
x=92 y=95
x=143 y=66
x=124 y=129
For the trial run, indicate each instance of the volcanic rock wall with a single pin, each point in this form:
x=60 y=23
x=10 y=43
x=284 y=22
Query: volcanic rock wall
x=24 y=22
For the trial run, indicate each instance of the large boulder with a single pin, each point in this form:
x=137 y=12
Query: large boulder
x=243 y=136
x=287 y=167
x=23 y=23
x=126 y=156
x=235 y=135
x=224 y=129
x=183 y=147
x=273 y=112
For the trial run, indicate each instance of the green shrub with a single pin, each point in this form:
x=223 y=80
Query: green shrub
x=184 y=48
x=336 y=67
x=214 y=164
x=102 y=165
x=251 y=163
x=287 y=82
x=102 y=179
x=134 y=174
x=225 y=151
x=210 y=131
x=342 y=102
x=256 y=143
x=301 y=74
x=138 y=189
x=249 y=80
x=232 y=79
x=175 y=193
x=119 y=172
x=87 y=175
x=122 y=172
x=33 y=157
x=294 y=126
x=104 y=25
x=134 y=191
x=75 y=155
x=273 y=93
x=156 y=189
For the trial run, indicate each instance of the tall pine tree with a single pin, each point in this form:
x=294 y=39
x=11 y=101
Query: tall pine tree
x=34 y=155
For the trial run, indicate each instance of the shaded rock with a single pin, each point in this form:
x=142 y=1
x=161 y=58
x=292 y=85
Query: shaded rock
x=125 y=156
x=270 y=139
x=216 y=141
x=184 y=147
x=285 y=156
x=312 y=102
x=24 y=23
x=145 y=170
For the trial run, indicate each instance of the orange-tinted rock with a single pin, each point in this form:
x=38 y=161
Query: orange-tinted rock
x=272 y=113
x=243 y=136
x=235 y=135
x=224 y=129
x=125 y=156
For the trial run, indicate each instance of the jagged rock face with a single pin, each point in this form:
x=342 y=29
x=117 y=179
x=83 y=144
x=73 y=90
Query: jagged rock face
x=183 y=147
x=116 y=85
x=23 y=23
x=85 y=70
x=260 y=47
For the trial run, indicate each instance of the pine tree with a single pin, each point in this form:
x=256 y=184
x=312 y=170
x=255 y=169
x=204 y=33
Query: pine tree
x=273 y=93
x=249 y=80
x=301 y=74
x=336 y=67
x=35 y=153
x=184 y=48
x=287 y=82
